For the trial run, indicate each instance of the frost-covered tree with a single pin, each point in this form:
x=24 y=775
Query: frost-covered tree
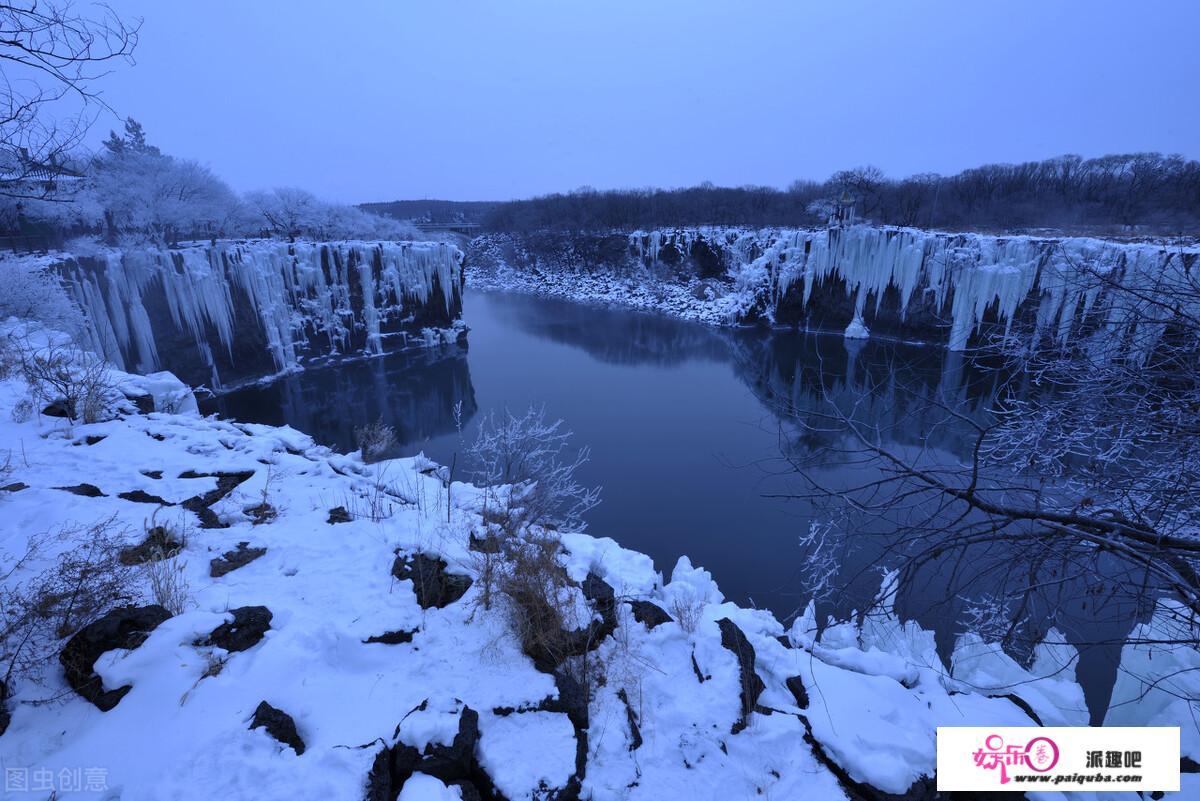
x=30 y=292
x=285 y=211
x=145 y=194
x=528 y=472
x=290 y=212
x=53 y=57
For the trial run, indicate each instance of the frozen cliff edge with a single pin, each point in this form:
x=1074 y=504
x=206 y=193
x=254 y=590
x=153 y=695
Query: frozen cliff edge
x=902 y=282
x=235 y=311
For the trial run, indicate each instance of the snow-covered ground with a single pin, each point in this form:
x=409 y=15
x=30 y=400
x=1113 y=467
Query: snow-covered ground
x=689 y=299
x=691 y=696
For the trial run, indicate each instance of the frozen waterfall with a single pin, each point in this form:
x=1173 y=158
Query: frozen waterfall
x=236 y=310
x=959 y=281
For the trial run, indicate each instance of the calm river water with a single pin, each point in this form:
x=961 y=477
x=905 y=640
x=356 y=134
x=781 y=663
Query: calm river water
x=686 y=426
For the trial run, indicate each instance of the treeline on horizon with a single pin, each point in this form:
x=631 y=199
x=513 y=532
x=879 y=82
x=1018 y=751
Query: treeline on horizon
x=1132 y=194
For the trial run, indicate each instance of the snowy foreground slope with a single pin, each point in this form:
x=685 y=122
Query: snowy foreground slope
x=227 y=312
x=898 y=281
x=383 y=685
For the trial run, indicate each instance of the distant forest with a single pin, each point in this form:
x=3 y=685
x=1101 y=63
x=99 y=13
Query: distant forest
x=1135 y=194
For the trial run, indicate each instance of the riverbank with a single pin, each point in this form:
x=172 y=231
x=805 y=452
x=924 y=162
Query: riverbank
x=350 y=599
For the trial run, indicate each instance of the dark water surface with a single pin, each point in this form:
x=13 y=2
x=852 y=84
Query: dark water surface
x=686 y=425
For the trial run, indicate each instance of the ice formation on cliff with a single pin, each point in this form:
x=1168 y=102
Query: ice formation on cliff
x=964 y=276
x=305 y=295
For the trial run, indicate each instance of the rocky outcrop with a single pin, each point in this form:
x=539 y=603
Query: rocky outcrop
x=248 y=626
x=455 y=764
x=279 y=724
x=650 y=614
x=229 y=561
x=434 y=587
x=126 y=627
x=5 y=714
x=235 y=311
x=159 y=544
x=733 y=639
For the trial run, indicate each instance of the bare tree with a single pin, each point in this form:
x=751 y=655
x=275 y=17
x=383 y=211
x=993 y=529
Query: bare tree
x=1077 y=493
x=528 y=477
x=54 y=56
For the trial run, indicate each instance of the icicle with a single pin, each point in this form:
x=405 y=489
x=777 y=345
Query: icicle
x=297 y=292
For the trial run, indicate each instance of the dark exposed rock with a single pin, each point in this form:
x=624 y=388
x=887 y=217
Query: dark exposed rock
x=456 y=761
x=155 y=474
x=16 y=486
x=796 y=686
x=248 y=626
x=5 y=715
x=784 y=641
x=651 y=614
x=141 y=496
x=488 y=544
x=232 y=560
x=434 y=587
x=379 y=778
x=144 y=403
x=455 y=765
x=86 y=490
x=338 y=514
x=467 y=791
x=158 y=545
x=261 y=513
x=59 y=408
x=199 y=504
x=1023 y=705
x=700 y=675
x=279 y=724
x=397 y=637
x=94 y=438
x=126 y=627
x=604 y=601
x=733 y=639
x=573 y=701
x=635 y=734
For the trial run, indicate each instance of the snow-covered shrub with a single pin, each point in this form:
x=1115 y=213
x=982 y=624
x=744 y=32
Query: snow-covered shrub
x=542 y=604
x=167 y=577
x=528 y=477
x=29 y=291
x=10 y=358
x=375 y=440
x=686 y=607
x=85 y=580
x=23 y=410
x=62 y=372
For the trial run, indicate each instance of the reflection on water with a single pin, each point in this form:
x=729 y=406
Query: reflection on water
x=688 y=427
x=414 y=391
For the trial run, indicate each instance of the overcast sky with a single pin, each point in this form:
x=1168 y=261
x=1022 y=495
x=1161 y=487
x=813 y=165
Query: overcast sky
x=464 y=100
